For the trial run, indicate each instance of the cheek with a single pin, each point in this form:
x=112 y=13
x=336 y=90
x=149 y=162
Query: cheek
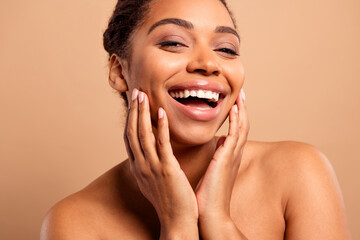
x=154 y=67
x=235 y=74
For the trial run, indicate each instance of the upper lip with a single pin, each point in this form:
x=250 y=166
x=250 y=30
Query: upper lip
x=199 y=85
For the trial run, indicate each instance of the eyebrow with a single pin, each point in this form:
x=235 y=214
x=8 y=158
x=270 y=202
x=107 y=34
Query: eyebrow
x=225 y=29
x=176 y=21
x=188 y=25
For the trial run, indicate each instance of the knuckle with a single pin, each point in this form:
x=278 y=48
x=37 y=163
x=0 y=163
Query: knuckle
x=161 y=141
x=130 y=132
x=155 y=169
x=144 y=133
x=145 y=172
x=167 y=170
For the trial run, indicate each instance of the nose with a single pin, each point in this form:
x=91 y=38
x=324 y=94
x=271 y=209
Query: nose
x=203 y=61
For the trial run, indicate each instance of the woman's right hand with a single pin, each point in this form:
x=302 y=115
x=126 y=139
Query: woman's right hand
x=157 y=172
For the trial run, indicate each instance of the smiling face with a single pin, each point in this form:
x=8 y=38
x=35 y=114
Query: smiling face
x=185 y=58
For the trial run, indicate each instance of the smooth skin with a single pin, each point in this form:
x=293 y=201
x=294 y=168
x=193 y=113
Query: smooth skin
x=183 y=182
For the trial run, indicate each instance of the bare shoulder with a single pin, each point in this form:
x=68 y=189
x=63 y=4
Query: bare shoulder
x=314 y=206
x=69 y=219
x=83 y=214
x=296 y=166
x=290 y=158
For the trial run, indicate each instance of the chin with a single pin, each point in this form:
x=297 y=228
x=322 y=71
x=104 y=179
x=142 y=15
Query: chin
x=193 y=134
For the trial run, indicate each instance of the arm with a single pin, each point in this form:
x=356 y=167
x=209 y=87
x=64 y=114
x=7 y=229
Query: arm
x=315 y=208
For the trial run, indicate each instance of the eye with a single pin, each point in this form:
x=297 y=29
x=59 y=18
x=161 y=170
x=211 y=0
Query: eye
x=171 y=44
x=228 y=51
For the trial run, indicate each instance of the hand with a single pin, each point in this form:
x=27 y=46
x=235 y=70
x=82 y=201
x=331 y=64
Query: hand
x=157 y=172
x=214 y=190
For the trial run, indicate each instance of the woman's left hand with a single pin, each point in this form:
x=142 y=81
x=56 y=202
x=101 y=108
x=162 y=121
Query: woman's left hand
x=214 y=190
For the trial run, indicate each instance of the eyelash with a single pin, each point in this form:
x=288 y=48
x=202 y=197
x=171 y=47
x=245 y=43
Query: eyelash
x=177 y=44
x=171 y=44
x=229 y=51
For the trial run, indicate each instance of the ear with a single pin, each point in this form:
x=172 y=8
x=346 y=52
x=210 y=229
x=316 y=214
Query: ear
x=117 y=73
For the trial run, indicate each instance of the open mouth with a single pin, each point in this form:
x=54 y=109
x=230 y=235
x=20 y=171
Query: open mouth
x=201 y=99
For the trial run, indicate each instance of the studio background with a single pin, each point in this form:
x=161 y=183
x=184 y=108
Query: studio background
x=61 y=124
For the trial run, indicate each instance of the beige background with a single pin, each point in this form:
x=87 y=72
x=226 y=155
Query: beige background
x=61 y=124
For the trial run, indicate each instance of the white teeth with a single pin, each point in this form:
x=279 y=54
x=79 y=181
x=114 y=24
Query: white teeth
x=211 y=96
x=200 y=94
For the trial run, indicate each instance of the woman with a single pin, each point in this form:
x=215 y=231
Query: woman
x=177 y=65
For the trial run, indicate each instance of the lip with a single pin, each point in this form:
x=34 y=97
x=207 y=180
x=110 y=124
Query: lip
x=196 y=113
x=199 y=85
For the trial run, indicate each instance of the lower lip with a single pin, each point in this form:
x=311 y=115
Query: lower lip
x=196 y=113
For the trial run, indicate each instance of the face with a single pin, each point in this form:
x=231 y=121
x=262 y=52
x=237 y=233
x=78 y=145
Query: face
x=185 y=58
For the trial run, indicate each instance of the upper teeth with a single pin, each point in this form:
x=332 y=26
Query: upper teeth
x=212 y=96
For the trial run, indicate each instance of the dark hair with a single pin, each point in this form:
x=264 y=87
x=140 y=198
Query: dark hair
x=126 y=18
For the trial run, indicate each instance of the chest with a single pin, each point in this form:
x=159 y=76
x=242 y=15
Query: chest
x=257 y=211
x=258 y=206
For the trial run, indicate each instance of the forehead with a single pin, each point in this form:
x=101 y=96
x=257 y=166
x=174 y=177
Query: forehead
x=201 y=13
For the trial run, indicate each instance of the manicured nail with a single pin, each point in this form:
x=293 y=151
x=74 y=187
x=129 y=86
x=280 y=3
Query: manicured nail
x=141 y=97
x=161 y=113
x=134 y=94
x=236 y=108
x=243 y=95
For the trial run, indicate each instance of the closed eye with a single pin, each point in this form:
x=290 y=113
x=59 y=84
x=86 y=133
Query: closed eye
x=228 y=51
x=171 y=44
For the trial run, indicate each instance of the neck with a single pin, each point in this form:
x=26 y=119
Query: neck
x=194 y=160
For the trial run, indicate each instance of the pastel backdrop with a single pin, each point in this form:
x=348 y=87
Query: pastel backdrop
x=61 y=124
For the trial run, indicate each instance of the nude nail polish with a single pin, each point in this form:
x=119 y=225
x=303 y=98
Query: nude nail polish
x=243 y=95
x=161 y=113
x=141 y=97
x=134 y=94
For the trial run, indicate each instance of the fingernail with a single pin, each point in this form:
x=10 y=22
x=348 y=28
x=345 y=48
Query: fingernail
x=161 y=113
x=141 y=97
x=134 y=94
x=236 y=108
x=243 y=95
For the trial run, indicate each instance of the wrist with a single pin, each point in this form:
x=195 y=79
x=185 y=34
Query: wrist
x=218 y=227
x=179 y=229
x=215 y=221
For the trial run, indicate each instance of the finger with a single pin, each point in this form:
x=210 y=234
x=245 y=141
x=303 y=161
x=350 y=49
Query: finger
x=227 y=148
x=132 y=129
x=128 y=148
x=146 y=136
x=233 y=133
x=125 y=137
x=244 y=122
x=163 y=140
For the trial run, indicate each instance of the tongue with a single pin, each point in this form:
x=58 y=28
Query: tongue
x=195 y=103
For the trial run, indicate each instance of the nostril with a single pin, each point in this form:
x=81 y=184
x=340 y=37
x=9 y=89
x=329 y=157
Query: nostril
x=216 y=72
x=205 y=72
x=200 y=70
